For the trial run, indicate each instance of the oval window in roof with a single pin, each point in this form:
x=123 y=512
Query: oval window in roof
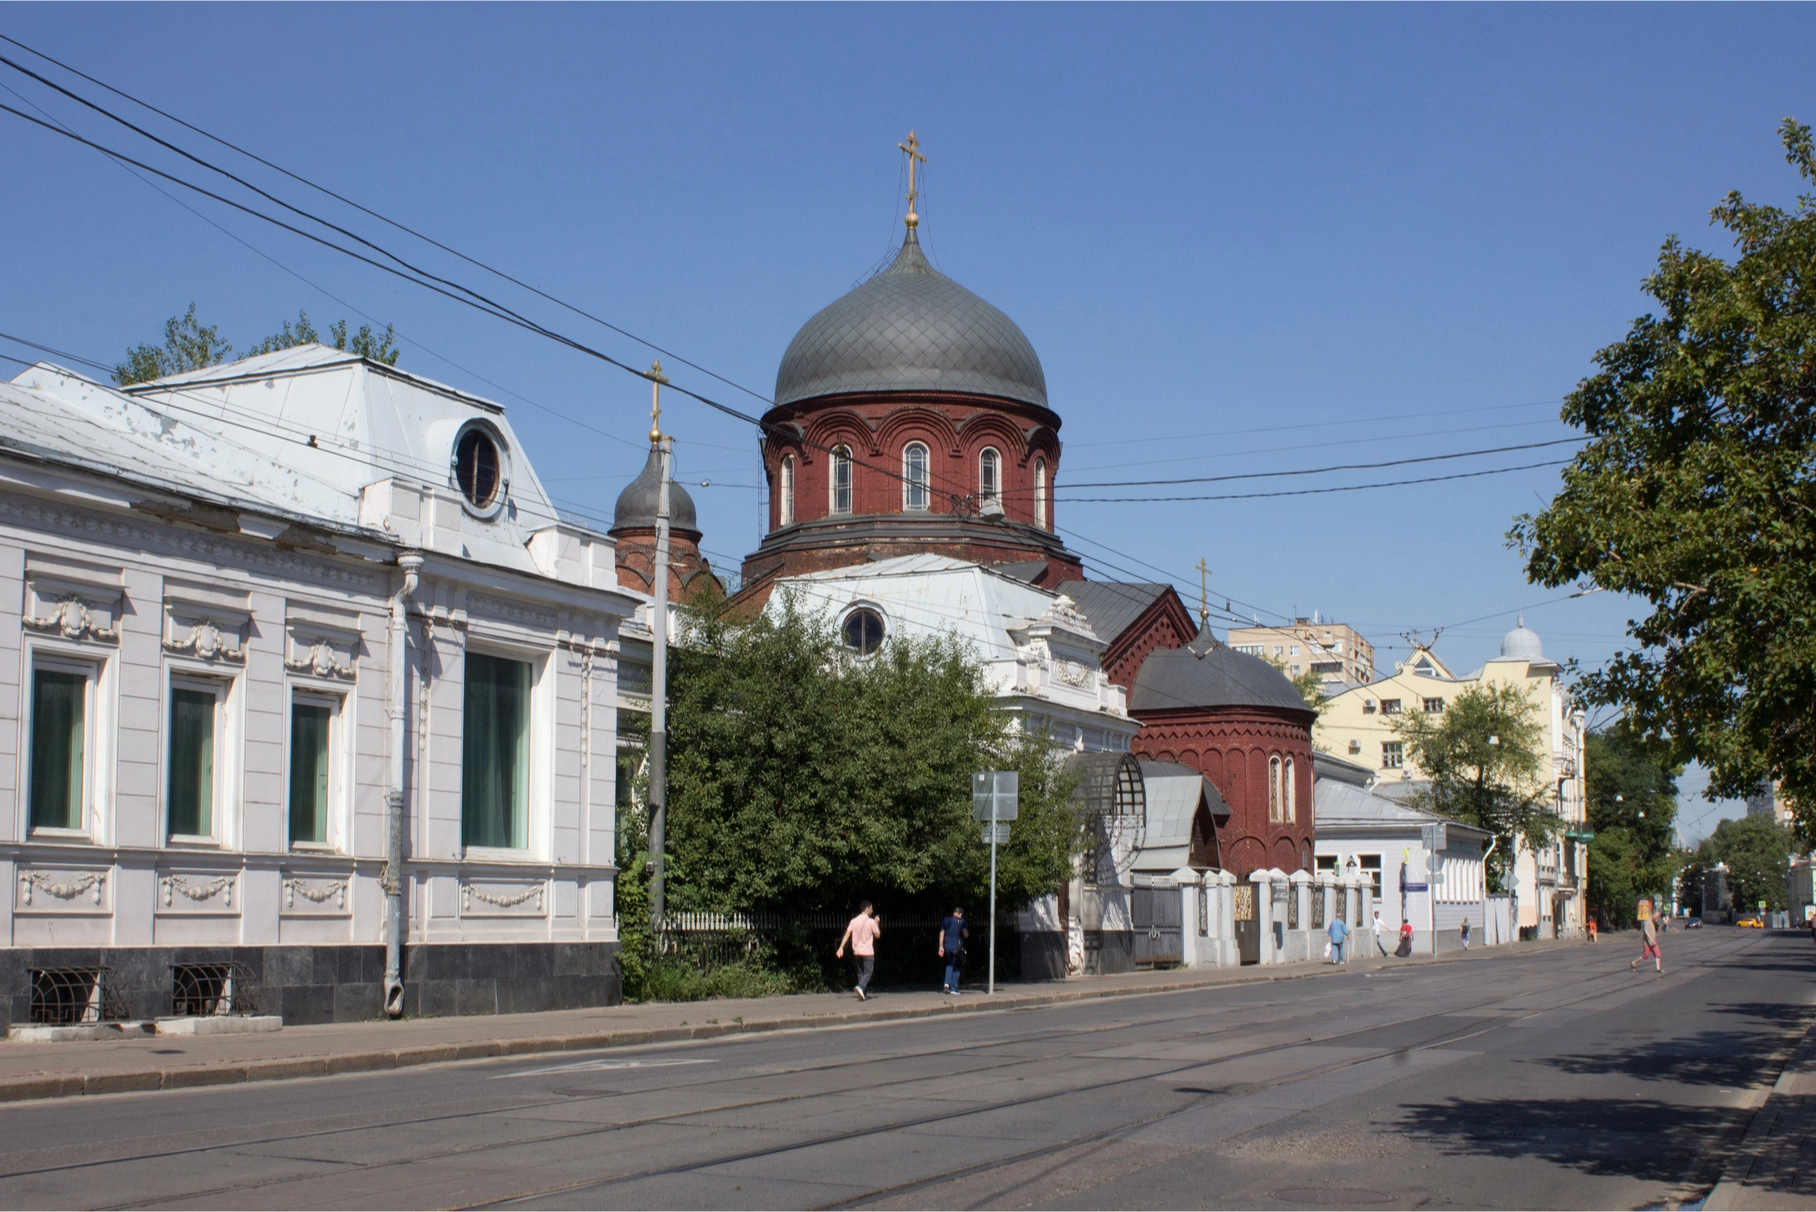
x=863 y=631
x=477 y=468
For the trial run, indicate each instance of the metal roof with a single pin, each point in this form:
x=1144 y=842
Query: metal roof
x=300 y=434
x=910 y=328
x=638 y=503
x=1174 y=793
x=1343 y=806
x=1112 y=605
x=1207 y=674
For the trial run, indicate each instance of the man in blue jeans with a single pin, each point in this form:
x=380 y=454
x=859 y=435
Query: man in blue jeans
x=1339 y=931
x=953 y=934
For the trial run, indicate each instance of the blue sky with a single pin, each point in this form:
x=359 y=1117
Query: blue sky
x=1242 y=239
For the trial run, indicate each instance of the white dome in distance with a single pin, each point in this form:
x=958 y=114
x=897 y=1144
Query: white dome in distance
x=1520 y=644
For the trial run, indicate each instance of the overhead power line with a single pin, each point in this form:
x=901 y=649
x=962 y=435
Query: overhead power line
x=1317 y=471
x=1309 y=492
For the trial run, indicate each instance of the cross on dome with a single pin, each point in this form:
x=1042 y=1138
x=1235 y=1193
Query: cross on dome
x=912 y=147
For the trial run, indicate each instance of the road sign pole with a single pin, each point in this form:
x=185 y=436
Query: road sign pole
x=992 y=984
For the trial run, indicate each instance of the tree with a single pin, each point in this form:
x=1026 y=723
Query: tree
x=187 y=346
x=1309 y=684
x=1483 y=757
x=802 y=777
x=1697 y=493
x=190 y=346
x=1632 y=807
x=1756 y=850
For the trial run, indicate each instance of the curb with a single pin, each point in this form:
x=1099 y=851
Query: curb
x=25 y=1089
x=1730 y=1192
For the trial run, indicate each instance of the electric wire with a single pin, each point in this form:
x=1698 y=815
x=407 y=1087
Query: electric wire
x=1308 y=492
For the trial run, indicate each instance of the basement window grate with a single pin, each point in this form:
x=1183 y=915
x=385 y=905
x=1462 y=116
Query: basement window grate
x=214 y=990
x=69 y=997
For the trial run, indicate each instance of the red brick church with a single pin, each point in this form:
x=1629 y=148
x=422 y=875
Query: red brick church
x=912 y=416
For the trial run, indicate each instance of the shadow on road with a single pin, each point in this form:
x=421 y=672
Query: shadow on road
x=1730 y=1057
x=1619 y=1137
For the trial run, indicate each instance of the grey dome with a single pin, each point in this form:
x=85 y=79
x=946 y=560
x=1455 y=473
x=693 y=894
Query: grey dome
x=1521 y=644
x=636 y=508
x=1207 y=674
x=910 y=328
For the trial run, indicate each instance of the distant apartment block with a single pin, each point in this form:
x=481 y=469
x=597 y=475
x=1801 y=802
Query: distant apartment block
x=1334 y=651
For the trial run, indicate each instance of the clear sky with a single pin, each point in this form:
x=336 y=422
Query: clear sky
x=1242 y=239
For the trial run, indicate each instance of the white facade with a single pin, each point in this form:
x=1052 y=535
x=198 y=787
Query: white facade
x=209 y=564
x=1041 y=658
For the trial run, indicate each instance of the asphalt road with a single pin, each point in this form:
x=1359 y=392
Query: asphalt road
x=1544 y=1078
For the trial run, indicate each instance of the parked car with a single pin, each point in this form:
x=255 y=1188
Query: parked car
x=1751 y=921
x=1693 y=923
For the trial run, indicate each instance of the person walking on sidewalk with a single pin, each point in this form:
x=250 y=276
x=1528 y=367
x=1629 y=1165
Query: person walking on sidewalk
x=861 y=934
x=953 y=933
x=1648 y=934
x=1339 y=931
x=1404 y=950
x=1465 y=934
x=1380 y=929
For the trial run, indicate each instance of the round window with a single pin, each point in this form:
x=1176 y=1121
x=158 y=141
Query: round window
x=863 y=631
x=477 y=468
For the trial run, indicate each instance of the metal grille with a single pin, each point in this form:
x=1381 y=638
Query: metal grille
x=1292 y=909
x=66 y=997
x=1317 y=908
x=1204 y=911
x=1343 y=903
x=1111 y=796
x=1245 y=902
x=213 y=990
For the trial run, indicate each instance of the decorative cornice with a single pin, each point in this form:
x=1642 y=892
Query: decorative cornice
x=322 y=661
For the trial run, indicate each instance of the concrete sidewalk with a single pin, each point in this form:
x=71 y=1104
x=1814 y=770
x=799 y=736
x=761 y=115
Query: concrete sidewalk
x=56 y=1070
x=1775 y=1166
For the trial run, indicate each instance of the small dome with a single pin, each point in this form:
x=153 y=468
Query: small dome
x=910 y=328
x=1207 y=674
x=636 y=508
x=1521 y=644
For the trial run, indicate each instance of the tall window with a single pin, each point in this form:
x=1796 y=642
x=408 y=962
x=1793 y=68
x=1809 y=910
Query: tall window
x=189 y=785
x=1273 y=789
x=989 y=475
x=495 y=754
x=841 y=479
x=1292 y=793
x=1040 y=492
x=785 y=508
x=914 y=476
x=1393 y=755
x=311 y=725
x=59 y=733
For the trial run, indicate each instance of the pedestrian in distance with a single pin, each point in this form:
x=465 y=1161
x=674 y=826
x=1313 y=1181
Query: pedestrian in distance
x=1592 y=928
x=1404 y=950
x=862 y=934
x=1465 y=934
x=1339 y=931
x=1380 y=929
x=1648 y=934
x=953 y=933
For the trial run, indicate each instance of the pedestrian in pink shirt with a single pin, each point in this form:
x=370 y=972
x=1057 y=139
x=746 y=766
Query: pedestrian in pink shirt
x=861 y=934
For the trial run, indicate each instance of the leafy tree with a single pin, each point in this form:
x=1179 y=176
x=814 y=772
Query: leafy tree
x=187 y=346
x=1483 y=757
x=190 y=346
x=1697 y=493
x=1309 y=684
x=1756 y=850
x=1632 y=808
x=804 y=778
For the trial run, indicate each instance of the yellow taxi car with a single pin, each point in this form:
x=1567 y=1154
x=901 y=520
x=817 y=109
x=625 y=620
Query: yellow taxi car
x=1752 y=922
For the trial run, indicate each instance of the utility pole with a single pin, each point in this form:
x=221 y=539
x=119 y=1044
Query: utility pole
x=658 y=699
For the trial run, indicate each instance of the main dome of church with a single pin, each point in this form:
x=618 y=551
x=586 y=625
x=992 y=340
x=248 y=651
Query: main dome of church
x=910 y=328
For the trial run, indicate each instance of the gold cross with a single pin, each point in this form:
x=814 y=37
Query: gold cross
x=912 y=147
x=1204 y=605
x=656 y=380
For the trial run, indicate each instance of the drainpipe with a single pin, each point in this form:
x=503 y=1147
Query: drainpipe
x=397 y=709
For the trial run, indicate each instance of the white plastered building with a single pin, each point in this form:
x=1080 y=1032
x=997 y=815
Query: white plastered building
x=256 y=613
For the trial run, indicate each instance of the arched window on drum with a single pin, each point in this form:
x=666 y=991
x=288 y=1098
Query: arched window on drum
x=840 y=481
x=785 y=492
x=914 y=476
x=1292 y=793
x=989 y=476
x=1274 y=790
x=1040 y=493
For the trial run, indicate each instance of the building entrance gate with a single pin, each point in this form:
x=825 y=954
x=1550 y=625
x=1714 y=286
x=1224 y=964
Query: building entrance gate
x=1248 y=928
x=1158 y=918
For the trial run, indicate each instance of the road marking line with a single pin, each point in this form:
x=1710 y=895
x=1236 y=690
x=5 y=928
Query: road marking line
x=589 y=1066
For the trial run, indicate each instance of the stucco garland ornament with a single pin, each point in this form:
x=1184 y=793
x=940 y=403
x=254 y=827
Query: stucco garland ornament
x=502 y=900
x=90 y=883
x=223 y=885
x=207 y=641
x=320 y=894
x=72 y=620
x=321 y=660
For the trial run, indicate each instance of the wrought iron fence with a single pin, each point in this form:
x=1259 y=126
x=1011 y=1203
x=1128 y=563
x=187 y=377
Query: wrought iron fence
x=1317 y=908
x=1343 y=903
x=1292 y=908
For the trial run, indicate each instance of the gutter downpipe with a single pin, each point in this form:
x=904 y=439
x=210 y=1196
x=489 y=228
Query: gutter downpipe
x=397 y=709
